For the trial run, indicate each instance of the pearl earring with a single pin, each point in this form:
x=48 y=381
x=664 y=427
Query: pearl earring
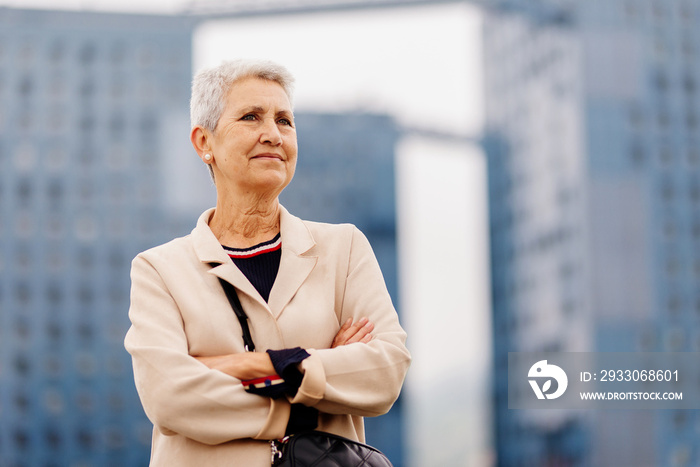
x=207 y=157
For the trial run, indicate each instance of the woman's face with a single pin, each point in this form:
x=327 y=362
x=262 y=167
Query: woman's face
x=255 y=142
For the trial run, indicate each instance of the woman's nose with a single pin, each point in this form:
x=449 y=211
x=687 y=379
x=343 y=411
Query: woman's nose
x=270 y=134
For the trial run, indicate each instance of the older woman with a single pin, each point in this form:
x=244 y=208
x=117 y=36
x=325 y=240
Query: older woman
x=319 y=312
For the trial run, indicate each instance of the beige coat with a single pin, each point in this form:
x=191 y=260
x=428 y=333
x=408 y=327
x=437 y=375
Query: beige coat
x=203 y=417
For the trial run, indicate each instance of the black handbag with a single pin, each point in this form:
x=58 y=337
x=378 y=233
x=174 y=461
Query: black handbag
x=320 y=449
x=310 y=448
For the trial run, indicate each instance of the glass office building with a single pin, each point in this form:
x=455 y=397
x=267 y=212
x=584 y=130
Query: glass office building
x=594 y=158
x=536 y=210
x=86 y=102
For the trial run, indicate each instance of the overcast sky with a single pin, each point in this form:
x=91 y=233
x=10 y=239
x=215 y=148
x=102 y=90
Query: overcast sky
x=419 y=64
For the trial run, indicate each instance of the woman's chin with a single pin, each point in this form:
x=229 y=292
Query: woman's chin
x=267 y=183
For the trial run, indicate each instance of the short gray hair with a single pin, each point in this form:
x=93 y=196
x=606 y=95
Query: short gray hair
x=211 y=86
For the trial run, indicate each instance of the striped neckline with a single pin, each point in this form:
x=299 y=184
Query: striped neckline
x=259 y=249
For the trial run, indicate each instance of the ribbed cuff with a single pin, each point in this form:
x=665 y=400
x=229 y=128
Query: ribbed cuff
x=285 y=362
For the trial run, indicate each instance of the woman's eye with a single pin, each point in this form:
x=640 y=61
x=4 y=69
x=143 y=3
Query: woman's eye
x=248 y=117
x=284 y=121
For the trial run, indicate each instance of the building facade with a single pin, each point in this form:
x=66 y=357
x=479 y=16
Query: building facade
x=535 y=163
x=85 y=99
x=593 y=158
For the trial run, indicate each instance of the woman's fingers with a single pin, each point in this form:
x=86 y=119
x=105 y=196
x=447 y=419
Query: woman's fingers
x=344 y=328
x=353 y=332
x=364 y=327
x=338 y=340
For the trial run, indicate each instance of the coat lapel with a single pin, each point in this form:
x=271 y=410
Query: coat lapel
x=209 y=250
x=295 y=264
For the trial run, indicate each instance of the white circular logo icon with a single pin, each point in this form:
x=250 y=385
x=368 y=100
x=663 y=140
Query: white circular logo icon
x=545 y=373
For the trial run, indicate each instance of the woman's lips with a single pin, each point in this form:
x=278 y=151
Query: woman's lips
x=268 y=156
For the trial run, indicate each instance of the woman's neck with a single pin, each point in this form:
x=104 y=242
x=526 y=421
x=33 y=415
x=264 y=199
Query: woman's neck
x=242 y=225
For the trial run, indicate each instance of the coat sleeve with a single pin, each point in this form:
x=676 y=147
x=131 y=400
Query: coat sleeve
x=359 y=379
x=179 y=394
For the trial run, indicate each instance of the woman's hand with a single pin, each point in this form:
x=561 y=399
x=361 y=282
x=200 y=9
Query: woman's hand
x=350 y=333
x=243 y=366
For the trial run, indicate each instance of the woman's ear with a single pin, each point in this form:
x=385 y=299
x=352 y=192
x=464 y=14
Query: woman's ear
x=200 y=141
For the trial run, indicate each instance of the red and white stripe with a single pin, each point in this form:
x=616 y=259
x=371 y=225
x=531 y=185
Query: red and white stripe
x=256 y=251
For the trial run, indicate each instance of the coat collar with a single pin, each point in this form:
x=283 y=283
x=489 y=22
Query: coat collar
x=295 y=265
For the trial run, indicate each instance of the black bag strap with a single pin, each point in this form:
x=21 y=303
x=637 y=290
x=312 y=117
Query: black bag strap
x=240 y=314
